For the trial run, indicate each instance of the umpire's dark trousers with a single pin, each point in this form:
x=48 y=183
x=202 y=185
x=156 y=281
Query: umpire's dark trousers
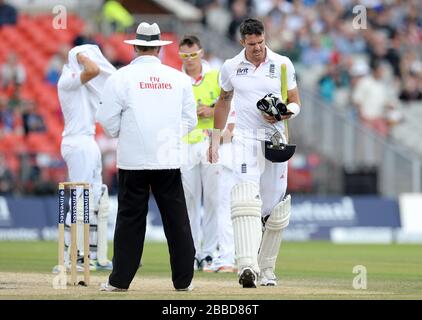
x=129 y=235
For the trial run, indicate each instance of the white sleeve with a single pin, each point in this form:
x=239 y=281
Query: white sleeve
x=291 y=75
x=109 y=113
x=224 y=78
x=189 y=117
x=69 y=80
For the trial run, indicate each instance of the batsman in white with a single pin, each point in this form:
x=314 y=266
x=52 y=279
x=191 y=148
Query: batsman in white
x=225 y=259
x=260 y=183
x=79 y=88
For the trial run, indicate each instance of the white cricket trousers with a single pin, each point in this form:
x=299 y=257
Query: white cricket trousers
x=200 y=180
x=83 y=160
x=226 y=253
x=251 y=165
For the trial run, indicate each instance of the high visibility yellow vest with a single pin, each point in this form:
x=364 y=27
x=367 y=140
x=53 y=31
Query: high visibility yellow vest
x=206 y=93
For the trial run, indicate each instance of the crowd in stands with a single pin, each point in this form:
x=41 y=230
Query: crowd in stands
x=370 y=69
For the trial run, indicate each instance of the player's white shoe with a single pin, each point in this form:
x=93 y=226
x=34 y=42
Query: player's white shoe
x=100 y=267
x=247 y=278
x=109 y=288
x=267 y=277
x=189 y=288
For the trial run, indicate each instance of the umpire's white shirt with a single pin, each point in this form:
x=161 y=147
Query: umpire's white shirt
x=149 y=107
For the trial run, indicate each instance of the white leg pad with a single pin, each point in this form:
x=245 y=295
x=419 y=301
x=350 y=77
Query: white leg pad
x=246 y=217
x=271 y=239
x=102 y=221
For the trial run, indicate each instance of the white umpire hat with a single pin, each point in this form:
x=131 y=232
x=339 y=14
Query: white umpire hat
x=148 y=35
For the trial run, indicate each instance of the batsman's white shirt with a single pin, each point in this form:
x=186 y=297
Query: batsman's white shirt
x=149 y=107
x=249 y=84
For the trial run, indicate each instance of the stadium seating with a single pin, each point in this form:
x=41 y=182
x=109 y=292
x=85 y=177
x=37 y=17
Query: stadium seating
x=35 y=41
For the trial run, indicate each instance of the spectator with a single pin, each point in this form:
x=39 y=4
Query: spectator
x=55 y=66
x=32 y=121
x=347 y=40
x=15 y=100
x=410 y=90
x=290 y=47
x=6 y=177
x=216 y=17
x=239 y=13
x=315 y=54
x=6 y=117
x=371 y=97
x=327 y=84
x=8 y=14
x=379 y=50
x=12 y=72
x=249 y=4
x=29 y=171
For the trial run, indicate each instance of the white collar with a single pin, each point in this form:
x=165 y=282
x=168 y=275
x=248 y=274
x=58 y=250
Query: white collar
x=145 y=59
x=205 y=68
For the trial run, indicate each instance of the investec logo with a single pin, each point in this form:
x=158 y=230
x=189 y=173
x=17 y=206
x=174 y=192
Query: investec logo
x=5 y=219
x=61 y=206
x=86 y=206
x=73 y=205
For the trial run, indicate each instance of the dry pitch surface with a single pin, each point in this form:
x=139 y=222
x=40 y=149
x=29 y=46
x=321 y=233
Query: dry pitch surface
x=40 y=286
x=313 y=270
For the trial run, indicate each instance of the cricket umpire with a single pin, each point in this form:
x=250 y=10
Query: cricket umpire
x=149 y=107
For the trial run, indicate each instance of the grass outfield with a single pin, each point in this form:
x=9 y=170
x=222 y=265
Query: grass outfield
x=312 y=270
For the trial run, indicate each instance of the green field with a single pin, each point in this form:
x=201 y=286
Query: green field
x=312 y=270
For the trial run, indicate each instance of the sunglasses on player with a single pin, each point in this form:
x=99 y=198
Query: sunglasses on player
x=192 y=55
